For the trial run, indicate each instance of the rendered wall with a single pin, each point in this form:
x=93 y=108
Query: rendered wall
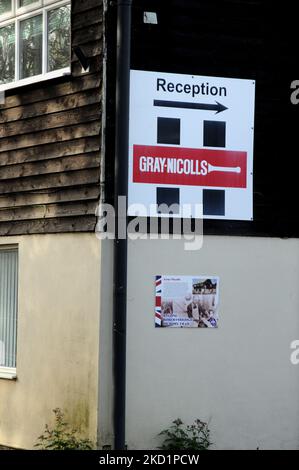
x=58 y=337
x=239 y=376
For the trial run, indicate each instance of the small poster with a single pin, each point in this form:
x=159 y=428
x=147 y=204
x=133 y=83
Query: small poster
x=187 y=301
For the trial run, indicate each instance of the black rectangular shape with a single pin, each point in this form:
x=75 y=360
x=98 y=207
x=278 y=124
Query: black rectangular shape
x=168 y=196
x=213 y=202
x=169 y=131
x=214 y=133
x=218 y=107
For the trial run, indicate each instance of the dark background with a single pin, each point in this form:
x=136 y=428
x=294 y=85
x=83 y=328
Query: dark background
x=249 y=39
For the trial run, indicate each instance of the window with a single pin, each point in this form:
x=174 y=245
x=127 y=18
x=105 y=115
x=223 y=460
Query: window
x=35 y=40
x=8 y=311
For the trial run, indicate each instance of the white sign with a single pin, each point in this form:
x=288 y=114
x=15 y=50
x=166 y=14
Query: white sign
x=191 y=142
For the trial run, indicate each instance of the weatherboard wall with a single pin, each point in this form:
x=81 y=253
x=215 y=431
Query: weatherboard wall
x=50 y=141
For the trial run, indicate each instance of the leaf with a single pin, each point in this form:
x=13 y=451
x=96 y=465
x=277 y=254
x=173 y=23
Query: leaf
x=191 y=437
x=62 y=437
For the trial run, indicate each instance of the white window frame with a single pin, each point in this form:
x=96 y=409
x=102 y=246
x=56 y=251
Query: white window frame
x=20 y=10
x=9 y=373
x=9 y=14
x=37 y=8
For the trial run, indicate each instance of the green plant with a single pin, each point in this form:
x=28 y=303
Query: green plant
x=191 y=437
x=61 y=437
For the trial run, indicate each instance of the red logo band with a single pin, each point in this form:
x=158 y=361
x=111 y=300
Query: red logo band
x=192 y=167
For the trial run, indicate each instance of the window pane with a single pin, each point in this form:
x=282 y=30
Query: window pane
x=7 y=54
x=31 y=47
x=24 y=3
x=5 y=6
x=59 y=38
x=8 y=307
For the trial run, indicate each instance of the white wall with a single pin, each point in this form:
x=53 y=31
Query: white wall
x=239 y=376
x=105 y=430
x=57 y=338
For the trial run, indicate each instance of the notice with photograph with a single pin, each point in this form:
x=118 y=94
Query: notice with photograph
x=187 y=301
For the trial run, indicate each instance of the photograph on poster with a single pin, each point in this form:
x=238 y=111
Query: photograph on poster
x=187 y=301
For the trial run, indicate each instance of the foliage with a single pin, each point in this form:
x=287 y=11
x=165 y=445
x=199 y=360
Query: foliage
x=61 y=437
x=191 y=437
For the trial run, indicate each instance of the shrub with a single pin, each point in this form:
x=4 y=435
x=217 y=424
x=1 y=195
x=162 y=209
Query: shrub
x=191 y=437
x=61 y=437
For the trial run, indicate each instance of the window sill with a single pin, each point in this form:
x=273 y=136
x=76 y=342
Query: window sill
x=9 y=373
x=36 y=79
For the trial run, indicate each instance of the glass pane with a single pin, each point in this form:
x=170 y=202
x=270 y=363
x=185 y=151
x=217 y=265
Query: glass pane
x=7 y=54
x=59 y=35
x=24 y=3
x=8 y=307
x=5 y=6
x=31 y=45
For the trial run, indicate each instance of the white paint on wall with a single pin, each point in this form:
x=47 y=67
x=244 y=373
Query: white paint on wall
x=57 y=337
x=105 y=387
x=238 y=377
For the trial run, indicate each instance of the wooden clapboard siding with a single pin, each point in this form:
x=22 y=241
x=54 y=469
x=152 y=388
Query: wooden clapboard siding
x=91 y=17
x=69 y=102
x=50 y=141
x=47 y=196
x=58 y=165
x=48 y=211
x=51 y=121
x=51 y=135
x=49 y=181
x=55 y=225
x=86 y=82
x=50 y=151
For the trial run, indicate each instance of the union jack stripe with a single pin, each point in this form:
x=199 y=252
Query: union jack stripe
x=158 y=314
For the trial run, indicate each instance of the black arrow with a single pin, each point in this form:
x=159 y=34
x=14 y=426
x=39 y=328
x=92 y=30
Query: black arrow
x=218 y=107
